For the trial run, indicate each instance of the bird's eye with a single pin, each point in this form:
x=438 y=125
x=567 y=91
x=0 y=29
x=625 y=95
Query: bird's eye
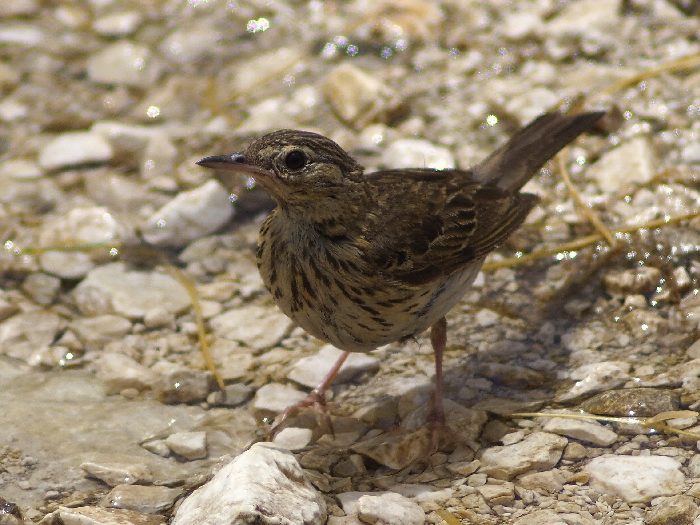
x=295 y=160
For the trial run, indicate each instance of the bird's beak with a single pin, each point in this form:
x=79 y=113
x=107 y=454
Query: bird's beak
x=235 y=162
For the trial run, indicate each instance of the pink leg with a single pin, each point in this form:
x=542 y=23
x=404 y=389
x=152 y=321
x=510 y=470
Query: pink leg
x=438 y=338
x=316 y=398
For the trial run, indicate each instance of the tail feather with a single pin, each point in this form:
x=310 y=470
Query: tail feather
x=514 y=163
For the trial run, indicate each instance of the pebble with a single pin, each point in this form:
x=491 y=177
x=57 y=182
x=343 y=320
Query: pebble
x=7 y=309
x=501 y=494
x=96 y=332
x=585 y=16
x=119 y=372
x=41 y=288
x=20 y=169
x=293 y=438
x=643 y=402
x=180 y=384
x=631 y=163
x=257 y=327
x=538 y=451
x=691 y=153
x=21 y=35
x=309 y=371
x=263 y=485
x=190 y=215
x=18 y=8
x=114 y=288
x=73 y=149
x=159 y=157
x=594 y=377
x=397 y=449
x=549 y=481
x=634 y=281
x=118 y=24
x=263 y=68
x=635 y=478
x=354 y=94
x=126 y=138
x=123 y=63
x=589 y=431
x=678 y=509
x=25 y=335
x=114 y=474
x=233 y=395
x=99 y=516
x=233 y=360
x=141 y=498
x=80 y=225
x=189 y=445
x=411 y=153
x=276 y=397
x=389 y=507
x=190 y=44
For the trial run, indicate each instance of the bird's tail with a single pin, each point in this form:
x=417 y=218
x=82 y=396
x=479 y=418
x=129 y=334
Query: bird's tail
x=514 y=163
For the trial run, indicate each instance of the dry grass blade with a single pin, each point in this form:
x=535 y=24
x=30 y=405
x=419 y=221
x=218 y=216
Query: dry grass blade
x=188 y=283
x=584 y=242
x=680 y=64
x=656 y=423
x=448 y=517
x=582 y=205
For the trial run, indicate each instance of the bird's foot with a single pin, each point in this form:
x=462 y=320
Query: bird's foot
x=315 y=400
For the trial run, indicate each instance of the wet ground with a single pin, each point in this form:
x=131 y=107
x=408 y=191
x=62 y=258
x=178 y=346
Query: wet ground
x=106 y=105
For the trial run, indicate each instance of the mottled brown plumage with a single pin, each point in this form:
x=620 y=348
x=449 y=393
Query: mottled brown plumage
x=360 y=260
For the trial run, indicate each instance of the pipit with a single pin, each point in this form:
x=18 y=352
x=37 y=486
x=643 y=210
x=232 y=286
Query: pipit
x=360 y=260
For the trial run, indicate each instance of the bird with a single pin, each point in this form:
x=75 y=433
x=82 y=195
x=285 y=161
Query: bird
x=360 y=260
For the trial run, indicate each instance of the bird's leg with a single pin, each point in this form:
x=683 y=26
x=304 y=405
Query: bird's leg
x=438 y=338
x=316 y=398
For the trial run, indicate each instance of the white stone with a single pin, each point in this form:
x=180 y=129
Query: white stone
x=19 y=34
x=264 y=67
x=123 y=63
x=113 y=288
x=190 y=44
x=538 y=451
x=98 y=331
x=585 y=16
x=309 y=371
x=75 y=148
x=635 y=478
x=97 y=516
x=21 y=169
x=26 y=334
x=189 y=445
x=41 y=288
x=519 y=24
x=18 y=8
x=12 y=110
x=141 y=498
x=264 y=485
x=126 y=137
x=120 y=23
x=114 y=474
x=691 y=153
x=631 y=163
x=355 y=95
x=119 y=371
x=275 y=397
x=159 y=157
x=584 y=430
x=417 y=153
x=595 y=377
x=293 y=438
x=190 y=215
x=257 y=327
x=389 y=507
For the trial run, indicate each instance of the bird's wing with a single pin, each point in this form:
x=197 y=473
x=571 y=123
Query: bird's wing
x=427 y=223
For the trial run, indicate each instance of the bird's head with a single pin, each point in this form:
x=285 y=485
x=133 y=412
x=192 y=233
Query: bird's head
x=304 y=172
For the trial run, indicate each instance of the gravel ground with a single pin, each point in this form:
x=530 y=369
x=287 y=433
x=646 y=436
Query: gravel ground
x=108 y=413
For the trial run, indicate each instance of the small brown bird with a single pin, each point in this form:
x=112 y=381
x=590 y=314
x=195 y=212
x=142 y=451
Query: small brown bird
x=361 y=260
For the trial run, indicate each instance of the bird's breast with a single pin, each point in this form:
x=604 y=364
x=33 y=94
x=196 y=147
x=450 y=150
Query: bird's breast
x=330 y=291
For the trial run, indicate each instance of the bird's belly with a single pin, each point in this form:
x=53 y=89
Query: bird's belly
x=359 y=312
